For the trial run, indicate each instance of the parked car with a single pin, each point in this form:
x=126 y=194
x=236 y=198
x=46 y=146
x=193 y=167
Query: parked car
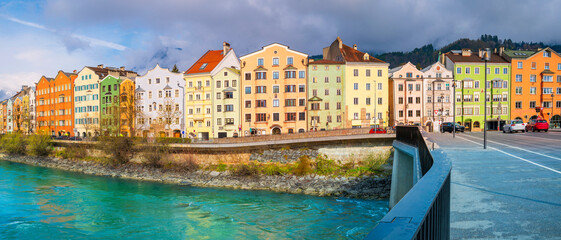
x=377 y=130
x=537 y=125
x=514 y=126
x=449 y=127
x=75 y=138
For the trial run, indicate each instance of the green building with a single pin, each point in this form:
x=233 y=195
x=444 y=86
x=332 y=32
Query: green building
x=326 y=100
x=110 y=110
x=469 y=76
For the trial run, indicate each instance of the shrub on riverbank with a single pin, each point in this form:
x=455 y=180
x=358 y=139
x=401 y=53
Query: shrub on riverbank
x=119 y=149
x=39 y=144
x=155 y=153
x=13 y=143
x=303 y=167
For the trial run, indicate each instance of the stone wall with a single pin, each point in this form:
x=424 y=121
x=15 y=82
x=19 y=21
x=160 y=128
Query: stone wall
x=330 y=133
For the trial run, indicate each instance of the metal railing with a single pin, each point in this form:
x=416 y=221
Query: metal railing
x=424 y=212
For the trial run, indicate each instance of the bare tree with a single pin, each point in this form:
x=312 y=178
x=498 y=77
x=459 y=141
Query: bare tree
x=130 y=110
x=167 y=115
x=89 y=124
x=20 y=117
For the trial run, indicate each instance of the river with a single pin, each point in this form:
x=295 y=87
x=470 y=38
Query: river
x=42 y=203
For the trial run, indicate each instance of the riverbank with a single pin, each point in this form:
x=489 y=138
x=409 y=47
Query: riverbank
x=366 y=187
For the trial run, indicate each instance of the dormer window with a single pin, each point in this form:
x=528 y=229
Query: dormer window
x=546 y=53
x=366 y=57
x=203 y=66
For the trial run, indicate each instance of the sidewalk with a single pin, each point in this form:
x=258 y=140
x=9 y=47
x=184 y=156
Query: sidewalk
x=496 y=196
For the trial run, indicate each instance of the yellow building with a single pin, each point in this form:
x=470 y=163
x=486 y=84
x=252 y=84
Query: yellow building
x=128 y=108
x=366 y=95
x=199 y=90
x=274 y=94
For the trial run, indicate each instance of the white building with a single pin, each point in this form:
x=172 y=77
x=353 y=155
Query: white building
x=160 y=95
x=438 y=90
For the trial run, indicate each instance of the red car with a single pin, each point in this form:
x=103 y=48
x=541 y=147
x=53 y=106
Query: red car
x=537 y=125
x=377 y=130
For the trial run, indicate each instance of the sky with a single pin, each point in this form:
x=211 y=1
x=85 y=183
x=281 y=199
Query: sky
x=41 y=37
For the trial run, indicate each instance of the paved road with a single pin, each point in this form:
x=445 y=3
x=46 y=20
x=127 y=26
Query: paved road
x=512 y=190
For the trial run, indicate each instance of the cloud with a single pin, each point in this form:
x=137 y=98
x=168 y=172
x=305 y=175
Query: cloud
x=92 y=41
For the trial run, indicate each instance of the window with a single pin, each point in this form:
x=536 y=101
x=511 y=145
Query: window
x=289 y=60
x=260 y=62
x=476 y=70
x=534 y=66
x=518 y=104
x=532 y=78
x=355 y=72
x=418 y=87
x=219 y=108
x=302 y=88
x=314 y=106
x=518 y=77
x=410 y=113
x=475 y=98
x=547 y=90
x=532 y=104
x=289 y=88
x=290 y=116
x=301 y=116
x=458 y=70
x=302 y=74
x=400 y=113
x=260 y=75
x=418 y=100
x=247 y=77
x=409 y=99
x=338 y=80
x=505 y=84
x=546 y=53
x=260 y=117
x=355 y=86
x=260 y=103
x=532 y=90
x=558 y=90
x=468 y=84
x=355 y=115
x=368 y=72
x=326 y=92
x=326 y=79
x=409 y=75
x=338 y=105
x=380 y=101
x=429 y=99
x=418 y=113
x=302 y=102
x=261 y=89
x=275 y=75
x=290 y=102
x=519 y=65
x=326 y=106
x=547 y=78
x=368 y=86
x=497 y=70
x=247 y=90
x=410 y=87
x=518 y=90
x=558 y=78
x=228 y=108
x=368 y=101
x=275 y=102
x=355 y=101
x=400 y=100
x=289 y=74
x=468 y=70
x=228 y=95
x=379 y=73
x=400 y=87
x=275 y=61
x=547 y=104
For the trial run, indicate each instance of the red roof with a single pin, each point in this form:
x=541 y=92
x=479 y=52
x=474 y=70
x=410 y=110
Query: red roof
x=474 y=57
x=207 y=62
x=352 y=55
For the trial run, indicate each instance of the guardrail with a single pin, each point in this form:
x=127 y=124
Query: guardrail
x=424 y=212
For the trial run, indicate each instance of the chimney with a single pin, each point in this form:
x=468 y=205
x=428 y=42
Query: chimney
x=74 y=71
x=225 y=48
x=100 y=66
x=340 y=42
x=466 y=52
x=122 y=68
x=501 y=50
x=355 y=46
x=442 y=56
x=539 y=49
x=480 y=53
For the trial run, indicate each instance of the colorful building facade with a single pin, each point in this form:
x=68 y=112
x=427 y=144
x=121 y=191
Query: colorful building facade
x=406 y=95
x=326 y=99
x=157 y=88
x=226 y=103
x=55 y=104
x=274 y=91
x=110 y=111
x=199 y=94
x=536 y=85
x=469 y=76
x=438 y=96
x=128 y=109
x=366 y=86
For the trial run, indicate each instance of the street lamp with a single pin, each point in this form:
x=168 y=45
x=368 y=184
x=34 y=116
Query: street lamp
x=454 y=109
x=486 y=57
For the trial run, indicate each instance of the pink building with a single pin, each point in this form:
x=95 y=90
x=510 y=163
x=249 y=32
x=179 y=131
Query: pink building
x=406 y=95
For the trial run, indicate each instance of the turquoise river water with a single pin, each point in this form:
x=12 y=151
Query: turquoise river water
x=42 y=203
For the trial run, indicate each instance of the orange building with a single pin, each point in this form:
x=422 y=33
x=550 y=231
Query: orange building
x=536 y=85
x=55 y=104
